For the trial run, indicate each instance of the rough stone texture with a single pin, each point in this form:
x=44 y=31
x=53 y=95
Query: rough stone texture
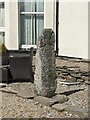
x=25 y=91
x=26 y=94
x=45 y=101
x=45 y=71
x=8 y=90
x=87 y=82
x=2 y=85
x=59 y=107
x=72 y=74
x=61 y=98
x=81 y=112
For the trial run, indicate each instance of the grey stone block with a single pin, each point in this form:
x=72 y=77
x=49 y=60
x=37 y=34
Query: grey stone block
x=59 y=107
x=81 y=112
x=45 y=101
x=61 y=98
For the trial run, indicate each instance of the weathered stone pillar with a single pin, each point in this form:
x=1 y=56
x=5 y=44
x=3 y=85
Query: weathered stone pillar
x=45 y=70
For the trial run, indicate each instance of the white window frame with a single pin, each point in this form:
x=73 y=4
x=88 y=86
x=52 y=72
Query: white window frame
x=25 y=46
x=2 y=29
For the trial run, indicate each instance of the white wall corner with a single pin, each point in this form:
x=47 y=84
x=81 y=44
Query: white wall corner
x=48 y=13
x=11 y=24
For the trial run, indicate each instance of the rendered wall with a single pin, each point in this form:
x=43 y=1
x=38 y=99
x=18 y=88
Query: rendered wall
x=11 y=24
x=73 y=28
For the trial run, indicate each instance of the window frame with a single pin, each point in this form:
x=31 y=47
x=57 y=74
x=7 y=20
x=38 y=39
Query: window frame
x=2 y=29
x=26 y=46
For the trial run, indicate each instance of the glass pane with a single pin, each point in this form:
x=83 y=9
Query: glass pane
x=39 y=24
x=31 y=28
x=27 y=6
x=39 y=5
x=2 y=37
x=32 y=6
x=2 y=14
x=26 y=28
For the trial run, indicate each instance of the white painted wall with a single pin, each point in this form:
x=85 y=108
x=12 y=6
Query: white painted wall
x=48 y=13
x=73 y=28
x=11 y=24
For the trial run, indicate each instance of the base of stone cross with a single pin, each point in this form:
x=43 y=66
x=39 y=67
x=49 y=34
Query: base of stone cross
x=45 y=92
x=51 y=101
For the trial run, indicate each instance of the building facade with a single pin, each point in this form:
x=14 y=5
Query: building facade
x=21 y=22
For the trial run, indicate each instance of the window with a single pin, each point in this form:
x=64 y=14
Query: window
x=2 y=22
x=31 y=21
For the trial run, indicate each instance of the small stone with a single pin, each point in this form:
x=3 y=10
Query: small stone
x=72 y=79
x=76 y=70
x=45 y=101
x=65 y=74
x=84 y=78
x=85 y=73
x=81 y=112
x=36 y=103
x=87 y=82
x=58 y=107
x=2 y=85
x=64 y=70
x=76 y=75
x=80 y=80
x=65 y=67
x=70 y=71
x=61 y=98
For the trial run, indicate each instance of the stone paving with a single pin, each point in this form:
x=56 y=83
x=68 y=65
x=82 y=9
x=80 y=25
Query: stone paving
x=75 y=71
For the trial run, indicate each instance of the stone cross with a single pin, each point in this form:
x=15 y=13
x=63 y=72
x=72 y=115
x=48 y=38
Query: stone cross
x=45 y=70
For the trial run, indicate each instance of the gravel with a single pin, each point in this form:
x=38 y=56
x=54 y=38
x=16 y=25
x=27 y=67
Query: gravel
x=13 y=106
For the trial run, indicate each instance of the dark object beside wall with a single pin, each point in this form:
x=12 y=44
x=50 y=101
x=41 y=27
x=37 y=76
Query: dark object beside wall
x=21 y=65
x=4 y=75
x=4 y=58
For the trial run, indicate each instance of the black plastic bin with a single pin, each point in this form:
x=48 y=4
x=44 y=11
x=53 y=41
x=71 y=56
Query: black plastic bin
x=21 y=65
x=4 y=75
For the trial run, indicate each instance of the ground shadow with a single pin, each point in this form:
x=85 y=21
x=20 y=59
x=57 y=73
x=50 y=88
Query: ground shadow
x=67 y=93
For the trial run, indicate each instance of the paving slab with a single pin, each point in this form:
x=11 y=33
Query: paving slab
x=26 y=94
x=45 y=101
x=87 y=82
x=59 y=107
x=61 y=98
x=8 y=90
x=24 y=89
x=81 y=112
